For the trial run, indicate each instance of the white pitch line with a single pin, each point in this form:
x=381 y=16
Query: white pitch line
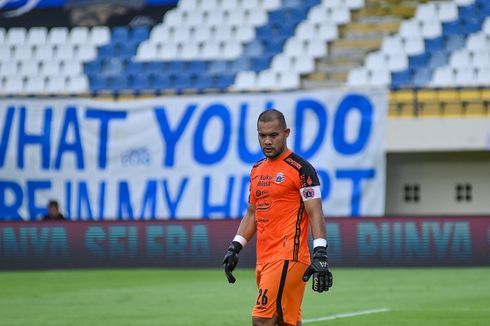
x=346 y=315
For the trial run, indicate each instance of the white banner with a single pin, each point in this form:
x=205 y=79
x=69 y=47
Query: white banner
x=183 y=157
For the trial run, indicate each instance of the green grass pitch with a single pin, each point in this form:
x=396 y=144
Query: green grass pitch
x=436 y=296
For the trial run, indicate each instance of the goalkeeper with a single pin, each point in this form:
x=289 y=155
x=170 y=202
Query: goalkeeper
x=284 y=200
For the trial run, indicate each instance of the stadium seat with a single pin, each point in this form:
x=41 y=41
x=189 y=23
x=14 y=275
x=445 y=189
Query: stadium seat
x=14 y=85
x=36 y=36
x=380 y=77
x=78 y=36
x=16 y=36
x=22 y=52
x=99 y=35
x=465 y=77
x=483 y=76
x=410 y=28
x=358 y=77
x=461 y=58
x=8 y=69
x=29 y=68
x=35 y=85
x=443 y=77
x=481 y=59
x=58 y=36
x=56 y=84
x=245 y=80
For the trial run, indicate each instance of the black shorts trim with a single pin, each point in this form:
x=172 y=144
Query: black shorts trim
x=281 y=289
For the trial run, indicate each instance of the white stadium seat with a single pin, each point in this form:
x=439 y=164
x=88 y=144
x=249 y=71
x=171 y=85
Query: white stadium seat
x=391 y=44
x=14 y=85
x=50 y=68
x=16 y=36
x=397 y=62
x=28 y=68
x=448 y=11
x=358 y=77
x=460 y=58
x=431 y=29
x=375 y=60
x=232 y=49
x=99 y=35
x=483 y=76
x=414 y=45
x=380 y=77
x=77 y=84
x=35 y=85
x=245 y=80
x=44 y=52
x=79 y=35
x=267 y=80
x=37 y=35
x=22 y=52
x=56 y=85
x=8 y=69
x=289 y=80
x=58 y=36
x=410 y=28
x=426 y=12
x=481 y=59
x=465 y=77
x=443 y=77
x=316 y=48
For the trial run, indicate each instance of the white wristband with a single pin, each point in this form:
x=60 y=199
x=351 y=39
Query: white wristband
x=238 y=238
x=320 y=242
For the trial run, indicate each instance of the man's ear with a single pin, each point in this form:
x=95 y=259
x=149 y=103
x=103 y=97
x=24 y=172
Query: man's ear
x=287 y=131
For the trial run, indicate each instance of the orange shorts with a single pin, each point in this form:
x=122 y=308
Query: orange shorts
x=281 y=290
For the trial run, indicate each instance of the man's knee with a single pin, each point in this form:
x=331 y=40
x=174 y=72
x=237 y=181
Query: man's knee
x=258 y=321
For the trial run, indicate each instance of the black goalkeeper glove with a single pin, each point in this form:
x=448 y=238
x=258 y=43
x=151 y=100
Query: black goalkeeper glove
x=231 y=260
x=322 y=277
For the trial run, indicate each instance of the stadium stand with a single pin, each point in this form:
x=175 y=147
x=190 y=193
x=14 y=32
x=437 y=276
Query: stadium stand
x=263 y=45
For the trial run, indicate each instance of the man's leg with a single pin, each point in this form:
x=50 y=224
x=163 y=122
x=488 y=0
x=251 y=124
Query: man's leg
x=259 y=321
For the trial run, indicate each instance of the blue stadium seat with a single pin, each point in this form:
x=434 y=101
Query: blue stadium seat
x=224 y=81
x=203 y=82
x=401 y=78
x=140 y=82
x=240 y=64
x=218 y=67
x=120 y=34
x=156 y=68
x=454 y=42
x=197 y=67
x=472 y=25
x=434 y=44
x=98 y=83
x=452 y=28
x=118 y=83
x=161 y=82
x=107 y=51
x=261 y=63
x=417 y=61
x=140 y=34
x=422 y=77
x=438 y=59
x=467 y=11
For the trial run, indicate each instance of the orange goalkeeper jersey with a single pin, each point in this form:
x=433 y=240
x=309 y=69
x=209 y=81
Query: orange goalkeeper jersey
x=278 y=189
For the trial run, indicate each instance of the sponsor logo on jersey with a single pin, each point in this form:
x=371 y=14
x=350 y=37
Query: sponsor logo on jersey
x=279 y=177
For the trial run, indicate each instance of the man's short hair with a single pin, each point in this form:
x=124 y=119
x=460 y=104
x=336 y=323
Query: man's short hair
x=271 y=115
x=53 y=203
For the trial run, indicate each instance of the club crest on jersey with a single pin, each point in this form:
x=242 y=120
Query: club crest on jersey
x=279 y=177
x=308 y=193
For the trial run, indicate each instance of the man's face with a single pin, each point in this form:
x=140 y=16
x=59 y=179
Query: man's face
x=53 y=210
x=272 y=138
